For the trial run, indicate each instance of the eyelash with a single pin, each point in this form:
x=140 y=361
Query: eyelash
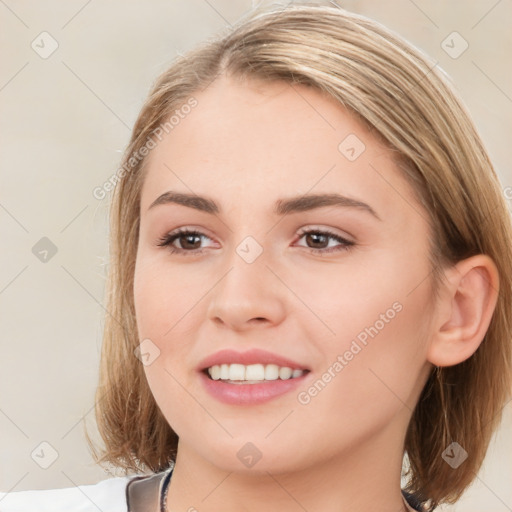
x=168 y=239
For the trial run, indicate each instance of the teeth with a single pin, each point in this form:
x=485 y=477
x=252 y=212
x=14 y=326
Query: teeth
x=252 y=372
x=236 y=372
x=272 y=372
x=224 y=371
x=285 y=372
x=215 y=372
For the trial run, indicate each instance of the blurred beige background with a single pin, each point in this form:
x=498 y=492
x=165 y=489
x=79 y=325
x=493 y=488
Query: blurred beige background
x=66 y=117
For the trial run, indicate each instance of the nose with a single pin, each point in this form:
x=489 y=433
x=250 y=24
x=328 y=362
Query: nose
x=248 y=296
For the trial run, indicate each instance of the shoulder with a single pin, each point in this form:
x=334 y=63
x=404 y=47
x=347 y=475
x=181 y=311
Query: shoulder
x=109 y=494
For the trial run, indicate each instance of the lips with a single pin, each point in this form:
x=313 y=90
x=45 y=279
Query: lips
x=249 y=392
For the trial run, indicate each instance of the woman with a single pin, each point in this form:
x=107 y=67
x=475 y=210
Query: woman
x=310 y=279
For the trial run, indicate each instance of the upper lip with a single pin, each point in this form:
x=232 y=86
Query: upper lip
x=254 y=356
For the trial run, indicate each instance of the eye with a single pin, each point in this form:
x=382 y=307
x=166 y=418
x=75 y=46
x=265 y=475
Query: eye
x=191 y=237
x=189 y=240
x=321 y=237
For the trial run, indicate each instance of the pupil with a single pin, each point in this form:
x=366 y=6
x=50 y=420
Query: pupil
x=190 y=237
x=316 y=236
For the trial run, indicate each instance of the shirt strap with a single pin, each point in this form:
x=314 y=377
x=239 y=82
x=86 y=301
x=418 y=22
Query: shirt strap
x=144 y=493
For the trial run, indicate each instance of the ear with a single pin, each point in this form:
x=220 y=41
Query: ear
x=464 y=310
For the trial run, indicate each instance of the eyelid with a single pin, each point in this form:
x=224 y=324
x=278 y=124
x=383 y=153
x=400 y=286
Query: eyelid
x=325 y=229
x=171 y=236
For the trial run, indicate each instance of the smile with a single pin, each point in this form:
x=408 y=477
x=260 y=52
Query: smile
x=253 y=373
x=250 y=378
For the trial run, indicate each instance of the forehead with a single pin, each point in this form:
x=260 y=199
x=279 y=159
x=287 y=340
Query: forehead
x=253 y=141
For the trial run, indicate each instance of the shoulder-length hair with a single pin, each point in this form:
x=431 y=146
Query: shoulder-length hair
x=402 y=96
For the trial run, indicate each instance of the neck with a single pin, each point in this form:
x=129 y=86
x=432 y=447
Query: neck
x=360 y=479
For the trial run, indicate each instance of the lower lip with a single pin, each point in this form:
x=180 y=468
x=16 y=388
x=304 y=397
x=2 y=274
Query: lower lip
x=249 y=394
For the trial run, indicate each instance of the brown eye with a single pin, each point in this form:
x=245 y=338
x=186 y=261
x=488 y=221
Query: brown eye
x=189 y=241
x=318 y=241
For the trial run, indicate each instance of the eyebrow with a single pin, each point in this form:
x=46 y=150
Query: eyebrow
x=281 y=206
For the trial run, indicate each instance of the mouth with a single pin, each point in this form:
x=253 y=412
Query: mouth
x=253 y=373
x=250 y=378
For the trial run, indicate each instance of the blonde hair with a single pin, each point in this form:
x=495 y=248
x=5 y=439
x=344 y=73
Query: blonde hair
x=405 y=101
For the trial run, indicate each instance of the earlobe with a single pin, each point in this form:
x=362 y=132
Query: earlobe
x=464 y=311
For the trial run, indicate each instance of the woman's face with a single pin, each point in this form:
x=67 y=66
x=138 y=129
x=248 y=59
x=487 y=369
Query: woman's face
x=346 y=304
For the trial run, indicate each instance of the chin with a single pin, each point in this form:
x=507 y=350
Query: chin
x=252 y=458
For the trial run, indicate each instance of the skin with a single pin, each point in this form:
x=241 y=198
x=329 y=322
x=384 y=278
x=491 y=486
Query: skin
x=246 y=145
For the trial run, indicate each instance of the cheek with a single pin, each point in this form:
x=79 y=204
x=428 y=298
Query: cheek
x=380 y=360
x=161 y=315
x=160 y=297
x=363 y=386
x=367 y=291
x=376 y=318
x=167 y=309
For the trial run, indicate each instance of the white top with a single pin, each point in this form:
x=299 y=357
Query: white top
x=106 y=495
